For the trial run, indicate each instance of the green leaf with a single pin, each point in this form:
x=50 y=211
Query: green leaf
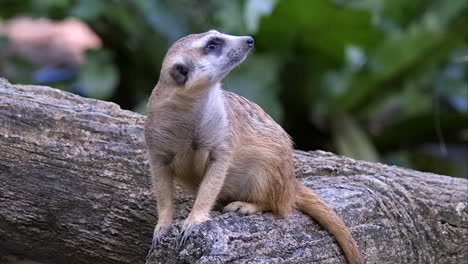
x=161 y=19
x=89 y=9
x=256 y=80
x=229 y=17
x=421 y=128
x=441 y=27
x=425 y=161
x=351 y=140
x=320 y=26
x=98 y=75
x=254 y=10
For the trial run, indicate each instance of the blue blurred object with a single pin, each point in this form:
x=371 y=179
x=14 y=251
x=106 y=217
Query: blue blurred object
x=459 y=103
x=55 y=74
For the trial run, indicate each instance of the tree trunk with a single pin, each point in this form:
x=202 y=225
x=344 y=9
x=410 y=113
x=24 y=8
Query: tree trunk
x=75 y=188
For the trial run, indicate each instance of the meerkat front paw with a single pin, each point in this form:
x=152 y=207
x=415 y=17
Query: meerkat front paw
x=159 y=232
x=189 y=224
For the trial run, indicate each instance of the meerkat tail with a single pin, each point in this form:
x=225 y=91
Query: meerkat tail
x=310 y=203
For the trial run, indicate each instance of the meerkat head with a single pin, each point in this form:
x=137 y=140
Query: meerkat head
x=203 y=59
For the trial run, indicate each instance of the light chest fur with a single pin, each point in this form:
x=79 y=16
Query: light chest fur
x=185 y=130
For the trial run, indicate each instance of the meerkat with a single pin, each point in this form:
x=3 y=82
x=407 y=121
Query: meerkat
x=221 y=147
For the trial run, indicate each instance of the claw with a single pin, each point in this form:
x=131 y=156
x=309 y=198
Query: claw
x=157 y=239
x=159 y=233
x=183 y=235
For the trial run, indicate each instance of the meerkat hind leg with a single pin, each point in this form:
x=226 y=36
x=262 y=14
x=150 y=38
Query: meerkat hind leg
x=244 y=208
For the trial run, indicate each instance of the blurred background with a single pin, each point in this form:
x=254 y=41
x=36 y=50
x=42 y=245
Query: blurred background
x=378 y=80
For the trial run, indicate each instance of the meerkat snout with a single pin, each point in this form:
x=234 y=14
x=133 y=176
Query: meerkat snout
x=250 y=41
x=246 y=41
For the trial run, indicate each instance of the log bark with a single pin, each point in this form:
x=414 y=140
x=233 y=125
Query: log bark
x=75 y=188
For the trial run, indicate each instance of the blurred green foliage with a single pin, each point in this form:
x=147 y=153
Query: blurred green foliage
x=379 y=80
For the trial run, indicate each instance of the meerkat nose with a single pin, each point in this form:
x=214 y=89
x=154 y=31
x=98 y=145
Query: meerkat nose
x=250 y=41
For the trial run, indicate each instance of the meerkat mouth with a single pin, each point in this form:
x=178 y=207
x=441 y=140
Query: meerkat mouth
x=236 y=57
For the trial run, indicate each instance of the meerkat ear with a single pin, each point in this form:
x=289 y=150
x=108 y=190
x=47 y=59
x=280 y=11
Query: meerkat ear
x=179 y=73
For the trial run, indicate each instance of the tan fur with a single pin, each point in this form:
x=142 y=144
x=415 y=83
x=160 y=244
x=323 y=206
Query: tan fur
x=221 y=147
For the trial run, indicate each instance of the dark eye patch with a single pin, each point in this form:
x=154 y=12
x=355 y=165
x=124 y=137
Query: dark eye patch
x=214 y=46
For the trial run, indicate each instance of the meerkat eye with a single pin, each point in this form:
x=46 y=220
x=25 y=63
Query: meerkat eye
x=214 y=45
x=211 y=46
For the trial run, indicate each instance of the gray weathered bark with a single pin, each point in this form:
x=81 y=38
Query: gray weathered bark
x=74 y=188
